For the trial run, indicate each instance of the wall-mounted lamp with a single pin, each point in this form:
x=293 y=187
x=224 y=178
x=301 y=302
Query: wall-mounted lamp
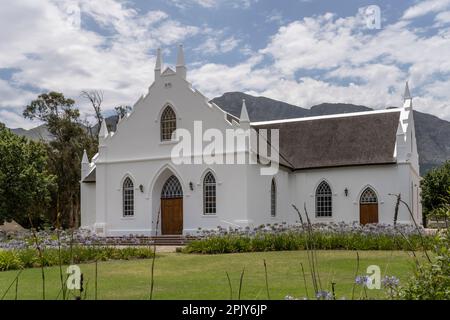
x=141 y=187
x=191 y=186
x=346 y=192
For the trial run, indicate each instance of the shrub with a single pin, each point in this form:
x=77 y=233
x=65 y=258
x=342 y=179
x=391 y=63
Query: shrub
x=29 y=258
x=432 y=280
x=323 y=237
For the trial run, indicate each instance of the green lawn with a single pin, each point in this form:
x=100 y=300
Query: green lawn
x=189 y=276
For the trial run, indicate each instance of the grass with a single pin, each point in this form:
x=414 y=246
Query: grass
x=192 y=276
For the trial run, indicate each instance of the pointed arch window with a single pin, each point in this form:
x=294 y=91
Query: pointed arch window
x=323 y=200
x=273 y=198
x=168 y=123
x=368 y=196
x=128 y=198
x=172 y=188
x=209 y=194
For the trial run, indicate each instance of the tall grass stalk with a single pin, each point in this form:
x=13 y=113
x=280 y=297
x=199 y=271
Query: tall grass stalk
x=304 y=280
x=41 y=256
x=12 y=283
x=307 y=243
x=58 y=236
x=152 y=280
x=240 y=283
x=267 y=280
x=96 y=279
x=356 y=274
x=229 y=284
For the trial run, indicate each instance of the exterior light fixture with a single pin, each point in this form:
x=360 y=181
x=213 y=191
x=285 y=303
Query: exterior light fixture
x=141 y=187
x=346 y=192
x=191 y=186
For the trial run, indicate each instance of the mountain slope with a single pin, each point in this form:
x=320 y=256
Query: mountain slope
x=432 y=133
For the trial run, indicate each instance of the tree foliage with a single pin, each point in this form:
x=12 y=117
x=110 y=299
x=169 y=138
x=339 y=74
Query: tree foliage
x=435 y=189
x=25 y=183
x=65 y=151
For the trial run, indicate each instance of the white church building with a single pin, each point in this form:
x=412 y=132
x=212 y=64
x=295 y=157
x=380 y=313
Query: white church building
x=344 y=167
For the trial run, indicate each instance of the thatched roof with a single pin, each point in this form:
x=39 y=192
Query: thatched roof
x=368 y=138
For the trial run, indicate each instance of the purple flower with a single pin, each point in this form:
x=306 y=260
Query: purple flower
x=362 y=280
x=390 y=282
x=324 y=295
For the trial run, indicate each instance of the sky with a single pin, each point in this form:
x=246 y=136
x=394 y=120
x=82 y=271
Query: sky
x=303 y=52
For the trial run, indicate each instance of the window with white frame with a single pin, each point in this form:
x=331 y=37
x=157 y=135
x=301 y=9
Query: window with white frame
x=273 y=198
x=323 y=200
x=128 y=198
x=209 y=194
x=168 y=124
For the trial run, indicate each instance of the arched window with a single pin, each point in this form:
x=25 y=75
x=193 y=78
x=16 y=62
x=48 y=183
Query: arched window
x=273 y=198
x=172 y=189
x=168 y=123
x=209 y=194
x=368 y=196
x=128 y=198
x=323 y=200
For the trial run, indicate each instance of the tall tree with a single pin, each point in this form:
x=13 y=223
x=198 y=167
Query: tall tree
x=25 y=183
x=64 y=151
x=435 y=189
x=95 y=97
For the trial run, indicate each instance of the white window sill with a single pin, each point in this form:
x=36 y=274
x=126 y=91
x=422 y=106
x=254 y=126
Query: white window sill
x=168 y=142
x=209 y=215
x=128 y=218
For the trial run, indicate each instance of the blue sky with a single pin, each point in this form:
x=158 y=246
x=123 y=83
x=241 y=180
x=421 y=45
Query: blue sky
x=303 y=52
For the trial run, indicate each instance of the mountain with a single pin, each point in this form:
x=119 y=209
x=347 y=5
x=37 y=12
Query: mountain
x=37 y=133
x=432 y=133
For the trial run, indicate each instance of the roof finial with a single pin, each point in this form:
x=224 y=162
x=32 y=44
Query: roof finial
x=103 y=130
x=244 y=114
x=158 y=64
x=181 y=66
x=407 y=94
x=407 y=99
x=85 y=157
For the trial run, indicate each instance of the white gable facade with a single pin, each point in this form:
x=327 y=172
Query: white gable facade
x=134 y=185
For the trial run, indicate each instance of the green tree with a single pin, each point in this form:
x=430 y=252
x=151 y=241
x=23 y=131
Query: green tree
x=435 y=186
x=122 y=111
x=25 y=183
x=65 y=150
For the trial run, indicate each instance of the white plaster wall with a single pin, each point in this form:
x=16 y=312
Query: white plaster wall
x=384 y=179
x=87 y=204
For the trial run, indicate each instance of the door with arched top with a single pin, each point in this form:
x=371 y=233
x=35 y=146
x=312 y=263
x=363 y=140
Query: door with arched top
x=172 y=207
x=368 y=206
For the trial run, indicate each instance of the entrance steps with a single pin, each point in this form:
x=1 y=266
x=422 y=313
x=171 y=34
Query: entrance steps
x=160 y=240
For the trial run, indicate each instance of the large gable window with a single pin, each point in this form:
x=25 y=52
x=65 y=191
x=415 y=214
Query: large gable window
x=128 y=198
x=168 y=124
x=209 y=194
x=323 y=200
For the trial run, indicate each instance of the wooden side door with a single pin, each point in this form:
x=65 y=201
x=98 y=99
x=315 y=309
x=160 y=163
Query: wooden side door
x=368 y=213
x=172 y=216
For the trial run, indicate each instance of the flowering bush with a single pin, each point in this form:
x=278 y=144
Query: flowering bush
x=18 y=250
x=328 y=236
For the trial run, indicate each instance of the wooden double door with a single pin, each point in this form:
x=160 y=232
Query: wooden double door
x=172 y=216
x=368 y=213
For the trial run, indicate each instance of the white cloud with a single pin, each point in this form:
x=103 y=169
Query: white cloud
x=347 y=63
x=51 y=54
x=236 y=4
x=425 y=7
